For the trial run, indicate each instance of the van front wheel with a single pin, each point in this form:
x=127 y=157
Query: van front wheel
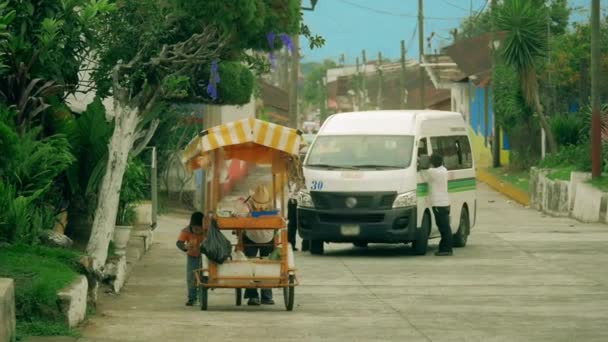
x=421 y=243
x=461 y=237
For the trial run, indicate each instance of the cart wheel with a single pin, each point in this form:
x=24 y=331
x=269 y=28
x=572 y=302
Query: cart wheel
x=239 y=296
x=204 y=294
x=289 y=293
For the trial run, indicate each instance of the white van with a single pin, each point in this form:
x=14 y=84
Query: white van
x=364 y=185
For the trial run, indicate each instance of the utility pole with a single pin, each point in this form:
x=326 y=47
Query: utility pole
x=403 y=76
x=497 y=140
x=421 y=52
x=293 y=84
x=380 y=80
x=364 y=81
x=596 y=133
x=358 y=85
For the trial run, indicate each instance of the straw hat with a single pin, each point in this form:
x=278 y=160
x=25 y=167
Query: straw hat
x=261 y=198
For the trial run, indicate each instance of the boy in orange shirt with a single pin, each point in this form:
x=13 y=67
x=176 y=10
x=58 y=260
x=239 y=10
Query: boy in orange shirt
x=189 y=241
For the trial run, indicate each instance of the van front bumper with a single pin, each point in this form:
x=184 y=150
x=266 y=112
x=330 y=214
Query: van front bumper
x=383 y=226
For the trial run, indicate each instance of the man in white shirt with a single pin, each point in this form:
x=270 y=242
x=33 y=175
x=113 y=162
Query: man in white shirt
x=437 y=178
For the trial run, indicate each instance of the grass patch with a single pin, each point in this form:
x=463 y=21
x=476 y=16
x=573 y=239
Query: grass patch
x=39 y=273
x=561 y=173
x=520 y=179
x=43 y=328
x=600 y=183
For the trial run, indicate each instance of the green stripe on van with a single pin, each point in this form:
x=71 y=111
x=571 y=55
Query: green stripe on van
x=456 y=185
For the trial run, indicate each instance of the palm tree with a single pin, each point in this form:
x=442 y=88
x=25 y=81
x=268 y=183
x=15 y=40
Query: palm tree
x=524 y=24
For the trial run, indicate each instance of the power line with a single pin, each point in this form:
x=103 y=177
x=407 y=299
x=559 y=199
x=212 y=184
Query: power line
x=413 y=35
x=455 y=6
x=379 y=11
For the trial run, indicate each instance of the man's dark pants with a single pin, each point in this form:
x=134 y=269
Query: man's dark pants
x=251 y=250
x=442 y=218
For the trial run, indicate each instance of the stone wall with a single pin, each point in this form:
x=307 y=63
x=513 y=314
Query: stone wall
x=547 y=195
x=574 y=198
x=7 y=310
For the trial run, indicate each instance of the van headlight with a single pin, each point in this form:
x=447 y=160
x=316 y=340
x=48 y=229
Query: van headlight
x=305 y=200
x=404 y=200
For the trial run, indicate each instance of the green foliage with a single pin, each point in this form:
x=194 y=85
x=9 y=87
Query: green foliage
x=89 y=135
x=139 y=30
x=586 y=115
x=235 y=87
x=315 y=92
x=51 y=38
x=39 y=273
x=23 y=217
x=475 y=25
x=246 y=21
x=44 y=328
x=564 y=74
x=8 y=137
x=567 y=128
x=509 y=104
x=526 y=34
x=576 y=156
x=134 y=187
x=37 y=163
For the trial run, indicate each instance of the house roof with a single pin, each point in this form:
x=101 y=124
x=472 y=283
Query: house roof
x=274 y=96
x=442 y=70
x=474 y=56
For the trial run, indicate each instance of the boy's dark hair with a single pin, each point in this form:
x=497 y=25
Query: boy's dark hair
x=436 y=160
x=197 y=219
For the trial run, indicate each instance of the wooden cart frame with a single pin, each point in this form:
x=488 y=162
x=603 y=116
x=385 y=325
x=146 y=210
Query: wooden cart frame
x=257 y=142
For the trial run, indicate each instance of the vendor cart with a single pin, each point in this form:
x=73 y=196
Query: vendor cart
x=258 y=142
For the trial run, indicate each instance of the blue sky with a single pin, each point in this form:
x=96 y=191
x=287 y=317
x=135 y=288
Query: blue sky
x=349 y=26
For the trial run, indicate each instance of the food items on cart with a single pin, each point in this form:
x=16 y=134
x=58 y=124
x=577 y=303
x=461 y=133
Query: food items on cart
x=216 y=246
x=232 y=207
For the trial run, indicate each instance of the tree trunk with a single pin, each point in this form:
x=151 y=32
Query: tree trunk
x=544 y=124
x=121 y=143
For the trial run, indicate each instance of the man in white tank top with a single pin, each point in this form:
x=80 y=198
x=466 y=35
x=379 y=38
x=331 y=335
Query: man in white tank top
x=437 y=178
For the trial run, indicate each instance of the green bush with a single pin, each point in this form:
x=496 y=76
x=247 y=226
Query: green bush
x=577 y=157
x=567 y=128
x=235 y=87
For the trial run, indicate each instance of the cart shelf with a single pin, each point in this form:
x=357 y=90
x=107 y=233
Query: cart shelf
x=251 y=223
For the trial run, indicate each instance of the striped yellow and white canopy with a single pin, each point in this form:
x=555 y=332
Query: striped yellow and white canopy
x=247 y=139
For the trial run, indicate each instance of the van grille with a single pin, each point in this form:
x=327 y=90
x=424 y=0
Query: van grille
x=365 y=200
x=354 y=218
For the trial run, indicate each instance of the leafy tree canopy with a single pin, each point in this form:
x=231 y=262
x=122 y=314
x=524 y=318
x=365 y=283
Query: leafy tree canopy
x=160 y=39
x=555 y=12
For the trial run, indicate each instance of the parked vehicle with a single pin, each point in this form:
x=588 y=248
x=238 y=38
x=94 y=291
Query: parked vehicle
x=364 y=185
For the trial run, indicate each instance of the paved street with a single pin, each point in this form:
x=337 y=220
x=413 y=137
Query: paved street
x=523 y=277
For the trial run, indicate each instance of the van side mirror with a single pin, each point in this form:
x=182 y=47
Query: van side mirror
x=424 y=162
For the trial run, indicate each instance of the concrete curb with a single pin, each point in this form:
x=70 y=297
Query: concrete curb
x=8 y=332
x=72 y=301
x=506 y=189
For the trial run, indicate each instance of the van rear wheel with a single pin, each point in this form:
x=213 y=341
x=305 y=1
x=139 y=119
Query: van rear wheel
x=421 y=244
x=461 y=237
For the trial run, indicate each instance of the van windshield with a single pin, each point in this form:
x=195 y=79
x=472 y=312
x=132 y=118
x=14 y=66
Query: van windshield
x=361 y=152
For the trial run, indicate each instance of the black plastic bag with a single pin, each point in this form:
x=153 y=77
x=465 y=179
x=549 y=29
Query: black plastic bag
x=216 y=246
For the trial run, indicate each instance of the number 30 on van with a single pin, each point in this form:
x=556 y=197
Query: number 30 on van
x=316 y=185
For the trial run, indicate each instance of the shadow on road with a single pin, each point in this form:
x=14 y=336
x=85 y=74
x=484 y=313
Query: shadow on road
x=374 y=250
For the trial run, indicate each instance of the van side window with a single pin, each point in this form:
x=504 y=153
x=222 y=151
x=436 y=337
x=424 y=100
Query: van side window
x=423 y=149
x=456 y=151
